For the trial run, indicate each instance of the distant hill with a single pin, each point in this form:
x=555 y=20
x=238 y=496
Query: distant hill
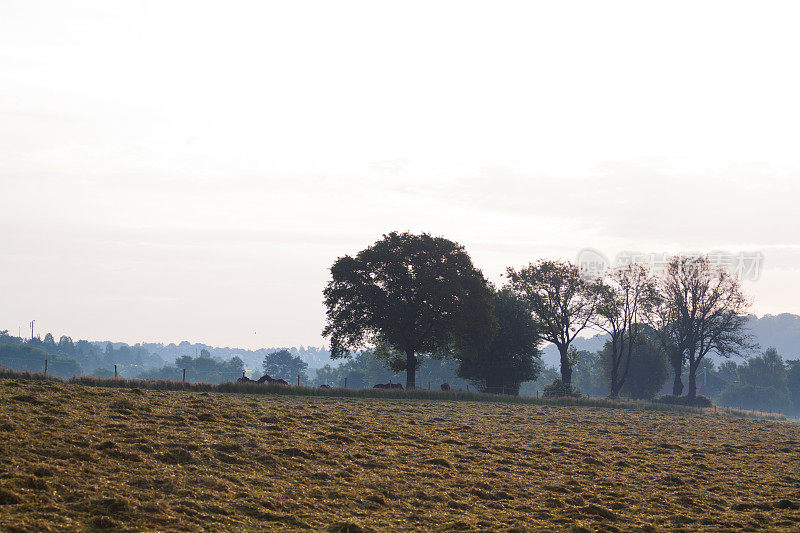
x=780 y=331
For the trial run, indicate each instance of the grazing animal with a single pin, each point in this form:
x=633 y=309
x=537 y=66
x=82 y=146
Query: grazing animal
x=445 y=387
x=324 y=386
x=263 y=379
x=395 y=386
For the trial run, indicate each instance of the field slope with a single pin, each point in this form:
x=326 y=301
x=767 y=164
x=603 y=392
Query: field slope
x=77 y=458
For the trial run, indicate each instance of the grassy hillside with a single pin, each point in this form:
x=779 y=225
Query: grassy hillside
x=77 y=457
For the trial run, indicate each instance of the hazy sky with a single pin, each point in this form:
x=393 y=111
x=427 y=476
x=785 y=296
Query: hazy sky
x=183 y=170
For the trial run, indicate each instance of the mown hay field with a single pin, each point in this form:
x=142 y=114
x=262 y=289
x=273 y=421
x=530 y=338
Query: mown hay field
x=78 y=458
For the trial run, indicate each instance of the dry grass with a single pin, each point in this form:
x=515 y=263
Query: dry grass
x=76 y=457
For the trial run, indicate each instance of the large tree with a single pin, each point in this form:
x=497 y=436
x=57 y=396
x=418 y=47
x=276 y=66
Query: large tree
x=703 y=309
x=283 y=365
x=512 y=357
x=414 y=293
x=627 y=296
x=562 y=302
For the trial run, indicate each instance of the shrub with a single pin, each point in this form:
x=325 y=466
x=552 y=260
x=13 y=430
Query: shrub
x=648 y=371
x=698 y=401
x=755 y=398
x=557 y=389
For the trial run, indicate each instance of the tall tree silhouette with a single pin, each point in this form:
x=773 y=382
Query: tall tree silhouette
x=413 y=293
x=562 y=303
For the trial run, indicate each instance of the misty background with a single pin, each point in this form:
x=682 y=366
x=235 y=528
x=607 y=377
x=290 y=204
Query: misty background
x=172 y=171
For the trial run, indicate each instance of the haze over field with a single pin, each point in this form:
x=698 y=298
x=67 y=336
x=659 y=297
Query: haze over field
x=175 y=171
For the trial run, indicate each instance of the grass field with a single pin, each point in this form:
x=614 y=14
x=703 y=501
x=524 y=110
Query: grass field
x=77 y=457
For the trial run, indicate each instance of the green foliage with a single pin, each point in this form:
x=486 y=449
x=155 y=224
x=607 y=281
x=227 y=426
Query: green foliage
x=793 y=384
x=588 y=374
x=25 y=357
x=559 y=389
x=562 y=303
x=283 y=365
x=536 y=388
x=366 y=369
x=766 y=370
x=697 y=401
x=414 y=293
x=648 y=370
x=764 y=384
x=201 y=369
x=512 y=357
x=755 y=398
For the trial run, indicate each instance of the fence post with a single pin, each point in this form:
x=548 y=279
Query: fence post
x=537 y=394
x=45 y=368
x=345 y=382
x=115 y=371
x=242 y=374
x=298 y=380
x=184 y=375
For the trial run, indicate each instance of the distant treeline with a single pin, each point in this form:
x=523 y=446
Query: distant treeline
x=67 y=358
x=762 y=383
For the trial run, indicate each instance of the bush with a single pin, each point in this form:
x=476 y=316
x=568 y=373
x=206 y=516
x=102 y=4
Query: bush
x=557 y=389
x=755 y=398
x=698 y=401
x=648 y=371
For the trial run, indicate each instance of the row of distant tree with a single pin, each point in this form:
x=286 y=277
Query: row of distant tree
x=66 y=358
x=417 y=297
x=764 y=383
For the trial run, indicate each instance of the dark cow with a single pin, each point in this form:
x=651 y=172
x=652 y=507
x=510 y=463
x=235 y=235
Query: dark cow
x=263 y=379
x=272 y=381
x=324 y=386
x=445 y=387
x=388 y=386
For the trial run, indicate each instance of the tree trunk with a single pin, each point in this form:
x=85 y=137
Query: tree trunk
x=677 y=385
x=676 y=360
x=614 y=369
x=566 y=367
x=692 y=381
x=411 y=370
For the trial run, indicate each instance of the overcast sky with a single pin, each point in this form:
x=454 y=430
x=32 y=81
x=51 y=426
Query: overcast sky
x=183 y=170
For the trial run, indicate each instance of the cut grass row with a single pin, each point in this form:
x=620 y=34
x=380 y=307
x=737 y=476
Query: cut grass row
x=417 y=394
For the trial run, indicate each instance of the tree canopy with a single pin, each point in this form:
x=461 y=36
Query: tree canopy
x=512 y=357
x=417 y=294
x=283 y=365
x=563 y=304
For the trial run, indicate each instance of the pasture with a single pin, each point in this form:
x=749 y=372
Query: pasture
x=77 y=457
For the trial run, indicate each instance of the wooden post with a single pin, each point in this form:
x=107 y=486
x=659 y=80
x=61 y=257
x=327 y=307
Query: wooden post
x=298 y=380
x=345 y=382
x=242 y=374
x=184 y=375
x=115 y=371
x=537 y=394
x=45 y=368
